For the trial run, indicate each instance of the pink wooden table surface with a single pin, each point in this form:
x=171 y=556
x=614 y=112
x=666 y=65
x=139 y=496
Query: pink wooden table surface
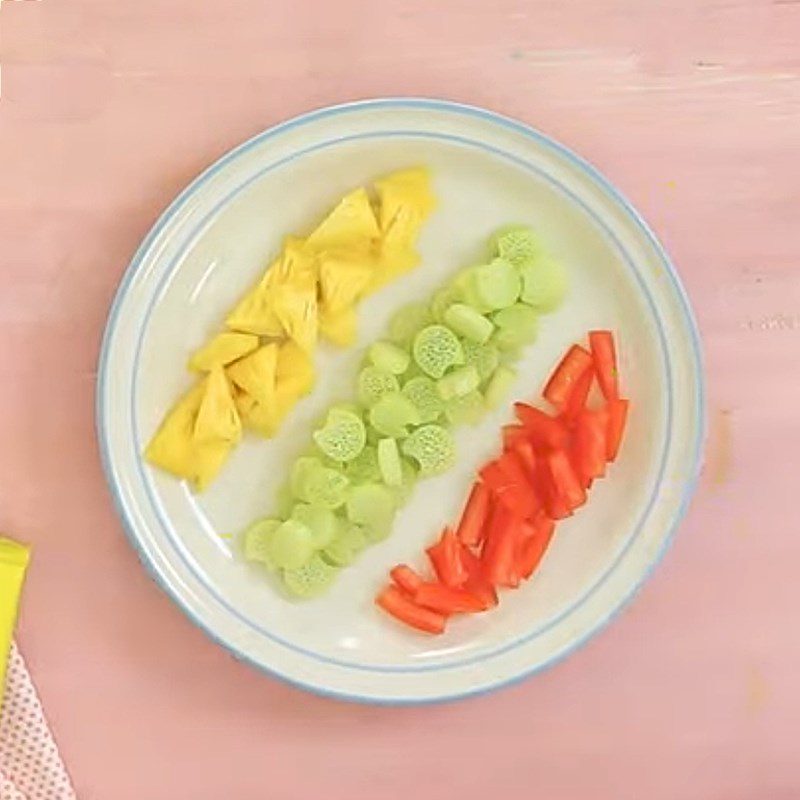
x=692 y=108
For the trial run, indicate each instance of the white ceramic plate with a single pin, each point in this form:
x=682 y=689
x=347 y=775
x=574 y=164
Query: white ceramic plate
x=209 y=246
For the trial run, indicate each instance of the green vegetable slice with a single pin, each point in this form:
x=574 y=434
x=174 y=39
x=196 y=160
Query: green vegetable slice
x=374 y=383
x=517 y=325
x=364 y=467
x=516 y=244
x=348 y=544
x=497 y=285
x=319 y=485
x=421 y=391
x=465 y=410
x=310 y=579
x=432 y=447
x=499 y=386
x=458 y=382
x=343 y=437
x=373 y=506
x=468 y=322
x=389 y=462
x=291 y=545
x=322 y=523
x=484 y=357
x=389 y=357
x=408 y=321
x=443 y=299
x=406 y=487
x=392 y=415
x=436 y=349
x=257 y=540
x=544 y=284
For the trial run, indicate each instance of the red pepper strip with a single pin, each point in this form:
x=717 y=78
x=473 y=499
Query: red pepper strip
x=617 y=417
x=447 y=600
x=494 y=476
x=473 y=519
x=477 y=584
x=553 y=502
x=405 y=577
x=589 y=445
x=527 y=457
x=500 y=547
x=511 y=465
x=565 y=481
x=536 y=538
x=520 y=500
x=544 y=430
x=401 y=607
x=572 y=366
x=512 y=434
x=445 y=556
x=576 y=401
x=604 y=355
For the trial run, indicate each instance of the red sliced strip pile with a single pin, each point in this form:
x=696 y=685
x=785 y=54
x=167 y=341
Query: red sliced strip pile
x=549 y=462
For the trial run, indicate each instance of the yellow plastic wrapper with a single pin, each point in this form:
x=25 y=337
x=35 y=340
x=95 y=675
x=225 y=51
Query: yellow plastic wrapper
x=13 y=563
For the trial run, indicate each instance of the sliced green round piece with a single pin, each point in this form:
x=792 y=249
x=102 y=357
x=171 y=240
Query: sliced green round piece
x=389 y=357
x=421 y=391
x=408 y=321
x=301 y=469
x=516 y=244
x=372 y=505
x=458 y=382
x=468 y=322
x=436 y=349
x=517 y=325
x=374 y=383
x=499 y=386
x=291 y=545
x=343 y=550
x=389 y=462
x=343 y=436
x=544 y=284
x=432 y=447
x=257 y=540
x=322 y=522
x=497 y=285
x=409 y=481
x=323 y=486
x=364 y=467
x=443 y=299
x=465 y=410
x=310 y=579
x=484 y=357
x=392 y=415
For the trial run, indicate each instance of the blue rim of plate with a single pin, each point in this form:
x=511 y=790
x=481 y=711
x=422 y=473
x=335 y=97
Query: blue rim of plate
x=621 y=202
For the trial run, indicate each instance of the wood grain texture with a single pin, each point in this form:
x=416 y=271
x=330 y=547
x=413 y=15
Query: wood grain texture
x=691 y=108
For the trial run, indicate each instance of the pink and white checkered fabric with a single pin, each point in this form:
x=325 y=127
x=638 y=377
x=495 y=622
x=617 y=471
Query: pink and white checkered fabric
x=30 y=766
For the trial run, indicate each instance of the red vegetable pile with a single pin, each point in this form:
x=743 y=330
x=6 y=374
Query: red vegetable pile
x=548 y=463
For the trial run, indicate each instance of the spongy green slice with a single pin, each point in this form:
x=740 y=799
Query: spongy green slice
x=499 y=386
x=517 y=325
x=408 y=321
x=516 y=244
x=257 y=540
x=373 y=383
x=497 y=285
x=468 y=322
x=321 y=521
x=364 y=468
x=291 y=545
x=310 y=579
x=372 y=505
x=389 y=462
x=544 y=284
x=421 y=391
x=436 y=349
x=343 y=436
x=465 y=410
x=458 y=382
x=432 y=447
x=343 y=550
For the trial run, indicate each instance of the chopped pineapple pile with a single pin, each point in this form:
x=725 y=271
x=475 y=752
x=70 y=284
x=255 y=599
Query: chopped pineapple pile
x=254 y=372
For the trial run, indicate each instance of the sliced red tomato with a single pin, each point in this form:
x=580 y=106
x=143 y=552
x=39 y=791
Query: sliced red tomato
x=544 y=430
x=576 y=400
x=534 y=541
x=499 y=549
x=447 y=599
x=445 y=557
x=570 y=369
x=477 y=583
x=565 y=481
x=473 y=519
x=393 y=601
x=604 y=355
x=406 y=578
x=589 y=445
x=617 y=417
